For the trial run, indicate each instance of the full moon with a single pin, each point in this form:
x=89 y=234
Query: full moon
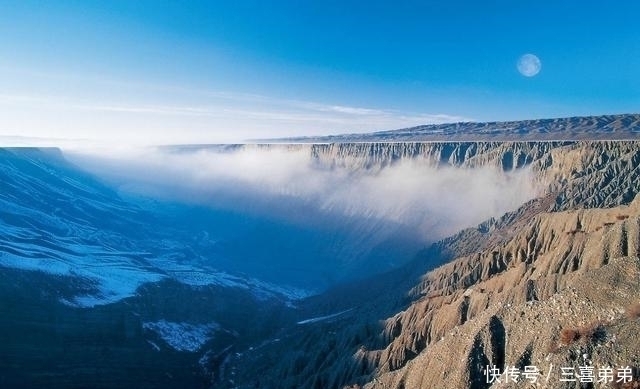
x=529 y=65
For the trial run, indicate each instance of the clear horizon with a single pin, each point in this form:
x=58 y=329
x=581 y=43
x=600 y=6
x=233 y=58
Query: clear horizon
x=212 y=72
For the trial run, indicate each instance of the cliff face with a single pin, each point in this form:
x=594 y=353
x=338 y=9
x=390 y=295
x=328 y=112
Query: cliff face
x=509 y=289
x=580 y=173
x=584 y=174
x=376 y=155
x=592 y=174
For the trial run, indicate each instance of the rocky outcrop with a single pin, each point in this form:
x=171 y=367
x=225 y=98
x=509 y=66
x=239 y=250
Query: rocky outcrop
x=474 y=295
x=591 y=174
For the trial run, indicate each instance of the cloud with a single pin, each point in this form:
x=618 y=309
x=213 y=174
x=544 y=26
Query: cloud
x=192 y=117
x=288 y=182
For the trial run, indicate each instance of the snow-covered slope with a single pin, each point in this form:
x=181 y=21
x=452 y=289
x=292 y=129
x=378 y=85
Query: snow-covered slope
x=57 y=220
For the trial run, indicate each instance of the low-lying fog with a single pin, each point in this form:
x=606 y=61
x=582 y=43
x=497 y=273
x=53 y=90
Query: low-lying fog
x=353 y=221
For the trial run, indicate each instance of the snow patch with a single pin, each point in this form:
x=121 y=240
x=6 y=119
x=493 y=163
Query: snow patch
x=115 y=275
x=183 y=336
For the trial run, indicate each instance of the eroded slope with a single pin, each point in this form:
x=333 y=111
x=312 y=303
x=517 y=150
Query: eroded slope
x=509 y=286
x=507 y=304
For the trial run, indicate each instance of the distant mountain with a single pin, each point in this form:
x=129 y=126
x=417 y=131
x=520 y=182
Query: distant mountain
x=605 y=127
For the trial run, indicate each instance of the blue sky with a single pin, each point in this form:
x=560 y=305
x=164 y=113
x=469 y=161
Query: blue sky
x=205 y=71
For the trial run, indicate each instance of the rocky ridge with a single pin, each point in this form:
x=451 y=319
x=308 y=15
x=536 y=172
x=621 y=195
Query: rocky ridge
x=555 y=273
x=604 y=127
